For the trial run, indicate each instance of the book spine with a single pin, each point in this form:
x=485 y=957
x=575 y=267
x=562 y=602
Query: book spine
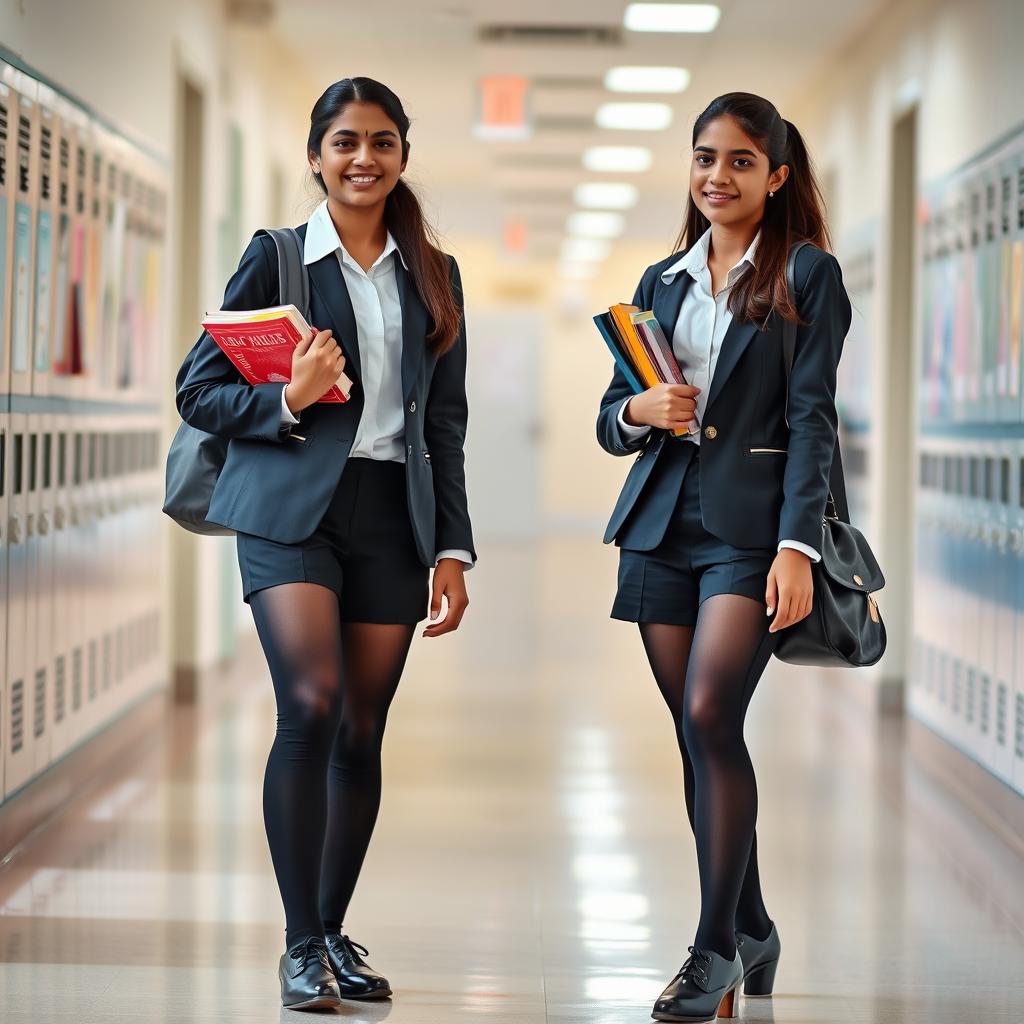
x=623 y=364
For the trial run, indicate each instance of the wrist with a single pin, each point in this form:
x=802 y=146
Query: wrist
x=290 y=399
x=627 y=413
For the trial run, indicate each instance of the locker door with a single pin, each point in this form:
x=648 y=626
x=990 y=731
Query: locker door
x=5 y=634
x=74 y=578
x=45 y=241
x=23 y=264
x=63 y=638
x=1006 y=629
x=46 y=624
x=987 y=570
x=1016 y=709
x=17 y=717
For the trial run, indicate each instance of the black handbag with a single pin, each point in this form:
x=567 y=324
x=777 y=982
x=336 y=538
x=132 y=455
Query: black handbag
x=195 y=458
x=844 y=628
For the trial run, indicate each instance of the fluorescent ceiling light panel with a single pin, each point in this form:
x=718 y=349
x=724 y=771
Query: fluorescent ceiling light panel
x=671 y=17
x=584 y=250
x=640 y=117
x=591 y=224
x=652 y=79
x=606 y=195
x=617 y=158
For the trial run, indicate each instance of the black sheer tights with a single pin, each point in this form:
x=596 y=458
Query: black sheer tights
x=334 y=683
x=707 y=674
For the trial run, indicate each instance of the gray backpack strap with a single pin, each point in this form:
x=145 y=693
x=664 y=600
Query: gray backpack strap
x=292 y=276
x=836 y=481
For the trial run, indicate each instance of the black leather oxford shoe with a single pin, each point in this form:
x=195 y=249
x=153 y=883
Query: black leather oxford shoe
x=356 y=978
x=307 y=981
x=760 y=959
x=703 y=990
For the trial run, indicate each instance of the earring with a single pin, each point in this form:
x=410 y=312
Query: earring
x=771 y=194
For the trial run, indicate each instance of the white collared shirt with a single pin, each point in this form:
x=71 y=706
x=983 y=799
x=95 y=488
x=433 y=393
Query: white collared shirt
x=376 y=305
x=704 y=318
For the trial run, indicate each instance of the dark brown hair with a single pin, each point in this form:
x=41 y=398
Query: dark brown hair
x=796 y=212
x=403 y=215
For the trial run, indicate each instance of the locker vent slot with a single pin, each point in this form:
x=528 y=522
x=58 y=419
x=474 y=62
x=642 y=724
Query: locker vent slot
x=969 y=716
x=106 y=661
x=65 y=163
x=76 y=679
x=39 y=704
x=3 y=145
x=1018 y=729
x=59 y=687
x=24 y=137
x=44 y=163
x=986 y=686
x=1001 y=714
x=119 y=655
x=17 y=716
x=92 y=670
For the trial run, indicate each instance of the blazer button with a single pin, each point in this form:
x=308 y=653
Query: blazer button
x=412 y=407
x=710 y=433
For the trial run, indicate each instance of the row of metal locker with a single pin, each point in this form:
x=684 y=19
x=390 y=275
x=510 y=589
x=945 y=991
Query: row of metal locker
x=82 y=239
x=81 y=588
x=82 y=258
x=972 y=282
x=968 y=652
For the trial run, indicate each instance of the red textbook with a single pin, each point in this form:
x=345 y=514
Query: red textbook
x=260 y=343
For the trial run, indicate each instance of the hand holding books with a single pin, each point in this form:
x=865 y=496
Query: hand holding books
x=645 y=357
x=271 y=346
x=668 y=406
x=316 y=365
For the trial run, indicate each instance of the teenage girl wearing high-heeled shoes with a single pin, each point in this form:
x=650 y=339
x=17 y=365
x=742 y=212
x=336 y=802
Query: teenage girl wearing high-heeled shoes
x=341 y=510
x=717 y=531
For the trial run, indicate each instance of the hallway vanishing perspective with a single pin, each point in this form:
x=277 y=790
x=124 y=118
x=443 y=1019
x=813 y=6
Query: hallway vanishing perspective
x=532 y=862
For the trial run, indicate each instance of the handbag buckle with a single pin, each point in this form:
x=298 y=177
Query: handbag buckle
x=872 y=608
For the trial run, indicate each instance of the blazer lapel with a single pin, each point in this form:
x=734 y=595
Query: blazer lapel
x=737 y=338
x=414 y=327
x=329 y=284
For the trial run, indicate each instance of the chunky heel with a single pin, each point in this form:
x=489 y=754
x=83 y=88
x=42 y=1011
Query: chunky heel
x=727 y=1007
x=759 y=981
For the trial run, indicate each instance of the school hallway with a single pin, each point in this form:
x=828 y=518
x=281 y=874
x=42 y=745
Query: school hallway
x=532 y=861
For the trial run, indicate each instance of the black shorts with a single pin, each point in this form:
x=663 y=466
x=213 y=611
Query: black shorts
x=363 y=550
x=669 y=583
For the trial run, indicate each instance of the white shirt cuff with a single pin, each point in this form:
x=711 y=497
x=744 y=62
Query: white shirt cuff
x=286 y=414
x=805 y=548
x=463 y=556
x=629 y=431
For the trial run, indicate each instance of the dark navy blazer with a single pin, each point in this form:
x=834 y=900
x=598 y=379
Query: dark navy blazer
x=749 y=498
x=278 y=478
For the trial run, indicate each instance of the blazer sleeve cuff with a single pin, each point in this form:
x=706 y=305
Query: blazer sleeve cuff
x=465 y=557
x=287 y=416
x=810 y=552
x=630 y=432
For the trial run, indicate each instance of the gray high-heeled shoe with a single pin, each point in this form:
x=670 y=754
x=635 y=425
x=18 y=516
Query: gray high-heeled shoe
x=760 y=959
x=703 y=990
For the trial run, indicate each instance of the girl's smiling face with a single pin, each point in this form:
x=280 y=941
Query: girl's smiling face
x=360 y=158
x=729 y=176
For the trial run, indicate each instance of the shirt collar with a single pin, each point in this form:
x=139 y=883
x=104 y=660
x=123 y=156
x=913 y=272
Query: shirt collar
x=322 y=239
x=695 y=260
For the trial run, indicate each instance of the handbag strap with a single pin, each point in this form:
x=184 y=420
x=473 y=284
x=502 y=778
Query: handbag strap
x=836 y=481
x=292 y=276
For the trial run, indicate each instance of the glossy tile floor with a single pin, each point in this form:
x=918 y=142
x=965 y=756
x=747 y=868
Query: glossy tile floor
x=532 y=861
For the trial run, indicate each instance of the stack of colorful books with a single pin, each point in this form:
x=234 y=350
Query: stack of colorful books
x=641 y=350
